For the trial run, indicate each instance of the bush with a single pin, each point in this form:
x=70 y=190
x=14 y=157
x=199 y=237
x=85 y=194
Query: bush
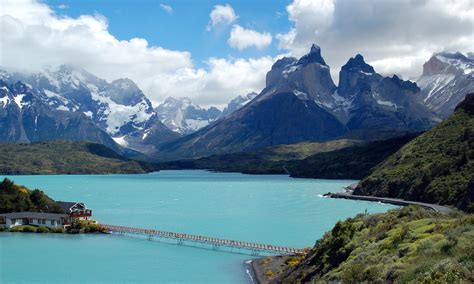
x=28 y=229
x=57 y=230
x=42 y=229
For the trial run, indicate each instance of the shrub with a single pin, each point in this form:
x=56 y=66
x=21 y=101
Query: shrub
x=269 y=272
x=57 y=230
x=28 y=229
x=42 y=229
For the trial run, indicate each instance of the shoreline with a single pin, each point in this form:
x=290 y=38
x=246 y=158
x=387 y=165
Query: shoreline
x=394 y=201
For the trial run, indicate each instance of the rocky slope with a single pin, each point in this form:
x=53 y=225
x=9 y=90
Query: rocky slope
x=446 y=79
x=184 y=117
x=436 y=167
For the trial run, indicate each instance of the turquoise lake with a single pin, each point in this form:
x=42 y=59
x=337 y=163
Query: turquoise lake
x=259 y=208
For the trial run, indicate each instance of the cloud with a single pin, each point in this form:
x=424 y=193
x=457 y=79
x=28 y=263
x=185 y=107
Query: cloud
x=34 y=37
x=63 y=6
x=396 y=36
x=221 y=15
x=167 y=8
x=241 y=38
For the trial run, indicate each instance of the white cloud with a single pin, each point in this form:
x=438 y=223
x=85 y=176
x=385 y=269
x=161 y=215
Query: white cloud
x=221 y=15
x=63 y=6
x=33 y=36
x=396 y=36
x=241 y=38
x=167 y=8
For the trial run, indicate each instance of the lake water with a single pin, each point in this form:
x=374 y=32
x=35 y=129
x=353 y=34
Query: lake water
x=259 y=208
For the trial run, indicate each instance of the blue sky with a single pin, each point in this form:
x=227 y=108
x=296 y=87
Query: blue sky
x=185 y=28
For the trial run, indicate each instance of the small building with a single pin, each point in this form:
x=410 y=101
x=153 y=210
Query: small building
x=75 y=210
x=50 y=220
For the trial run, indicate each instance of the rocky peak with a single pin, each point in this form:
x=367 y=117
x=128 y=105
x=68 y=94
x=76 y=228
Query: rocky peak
x=448 y=63
x=183 y=116
x=284 y=62
x=357 y=64
x=237 y=103
x=314 y=56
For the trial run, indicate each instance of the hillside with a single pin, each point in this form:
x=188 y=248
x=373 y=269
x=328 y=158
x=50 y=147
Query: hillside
x=407 y=245
x=64 y=157
x=436 y=167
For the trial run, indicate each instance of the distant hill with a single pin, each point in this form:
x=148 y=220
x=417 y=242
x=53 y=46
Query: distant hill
x=436 y=167
x=269 y=160
x=64 y=157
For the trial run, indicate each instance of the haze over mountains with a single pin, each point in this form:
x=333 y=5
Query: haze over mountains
x=300 y=102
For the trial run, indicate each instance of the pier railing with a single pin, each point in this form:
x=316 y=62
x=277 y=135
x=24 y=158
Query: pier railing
x=214 y=242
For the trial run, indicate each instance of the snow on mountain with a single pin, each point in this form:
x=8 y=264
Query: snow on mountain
x=120 y=108
x=446 y=79
x=25 y=117
x=183 y=116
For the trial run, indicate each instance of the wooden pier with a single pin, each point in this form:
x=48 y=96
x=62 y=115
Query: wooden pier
x=180 y=238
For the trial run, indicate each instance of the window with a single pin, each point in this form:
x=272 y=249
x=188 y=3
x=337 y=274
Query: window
x=53 y=222
x=2 y=220
x=43 y=221
x=13 y=221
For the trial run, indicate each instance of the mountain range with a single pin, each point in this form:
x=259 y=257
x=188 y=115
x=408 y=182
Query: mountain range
x=299 y=103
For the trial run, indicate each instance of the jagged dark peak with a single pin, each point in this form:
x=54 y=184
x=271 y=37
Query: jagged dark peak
x=284 y=62
x=467 y=104
x=314 y=56
x=405 y=85
x=357 y=64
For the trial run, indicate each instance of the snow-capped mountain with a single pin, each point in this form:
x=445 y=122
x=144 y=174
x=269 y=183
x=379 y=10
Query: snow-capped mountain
x=183 y=116
x=237 y=103
x=301 y=103
x=120 y=108
x=446 y=79
x=25 y=117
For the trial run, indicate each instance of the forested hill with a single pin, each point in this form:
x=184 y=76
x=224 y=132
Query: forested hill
x=436 y=167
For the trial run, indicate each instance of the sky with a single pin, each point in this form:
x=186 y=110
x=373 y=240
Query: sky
x=213 y=51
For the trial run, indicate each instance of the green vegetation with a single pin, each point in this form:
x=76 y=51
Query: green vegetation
x=64 y=157
x=85 y=226
x=349 y=159
x=403 y=245
x=436 y=167
x=17 y=198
